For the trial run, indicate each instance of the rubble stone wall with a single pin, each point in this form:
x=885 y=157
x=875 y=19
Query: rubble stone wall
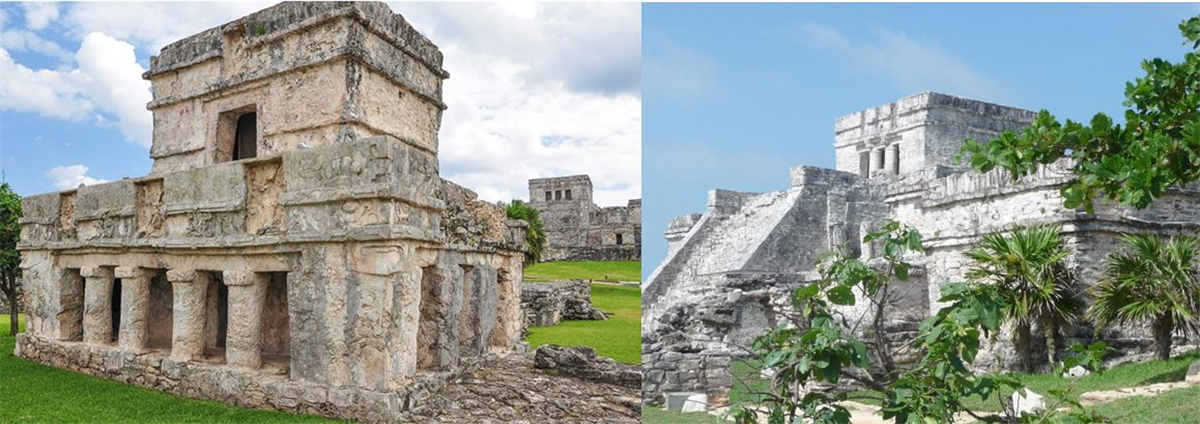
x=547 y=304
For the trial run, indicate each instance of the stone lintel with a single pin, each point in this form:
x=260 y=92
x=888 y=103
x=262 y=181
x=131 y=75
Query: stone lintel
x=131 y=272
x=238 y=277
x=181 y=275
x=96 y=272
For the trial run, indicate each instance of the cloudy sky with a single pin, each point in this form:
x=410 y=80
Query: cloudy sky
x=735 y=95
x=536 y=90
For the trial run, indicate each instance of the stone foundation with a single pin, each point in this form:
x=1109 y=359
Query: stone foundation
x=237 y=386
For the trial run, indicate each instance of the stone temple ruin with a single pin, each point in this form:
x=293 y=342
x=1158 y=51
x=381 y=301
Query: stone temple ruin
x=577 y=229
x=730 y=270
x=293 y=247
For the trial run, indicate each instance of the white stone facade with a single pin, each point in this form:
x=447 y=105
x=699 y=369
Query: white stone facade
x=729 y=268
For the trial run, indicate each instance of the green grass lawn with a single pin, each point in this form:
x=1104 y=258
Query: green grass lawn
x=1179 y=406
x=1128 y=375
x=36 y=393
x=585 y=270
x=656 y=415
x=619 y=337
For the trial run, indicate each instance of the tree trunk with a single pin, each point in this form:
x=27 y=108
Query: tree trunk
x=1051 y=329
x=1023 y=345
x=13 y=325
x=1164 y=326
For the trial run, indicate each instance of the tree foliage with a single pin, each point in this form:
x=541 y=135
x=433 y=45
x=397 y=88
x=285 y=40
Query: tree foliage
x=535 y=235
x=10 y=259
x=1153 y=279
x=1028 y=268
x=1158 y=148
x=817 y=350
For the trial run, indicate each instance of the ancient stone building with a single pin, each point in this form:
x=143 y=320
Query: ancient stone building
x=729 y=270
x=293 y=246
x=577 y=229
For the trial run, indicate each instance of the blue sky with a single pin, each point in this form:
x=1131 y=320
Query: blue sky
x=536 y=90
x=735 y=95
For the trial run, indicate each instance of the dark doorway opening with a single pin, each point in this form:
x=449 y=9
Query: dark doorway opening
x=116 y=309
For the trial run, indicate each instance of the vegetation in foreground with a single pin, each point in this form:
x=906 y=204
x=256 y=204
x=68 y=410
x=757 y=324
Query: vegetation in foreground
x=619 y=337
x=34 y=393
x=584 y=270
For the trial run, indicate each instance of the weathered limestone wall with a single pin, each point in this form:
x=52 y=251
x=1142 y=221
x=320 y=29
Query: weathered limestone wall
x=691 y=314
x=315 y=73
x=324 y=289
x=917 y=131
x=577 y=229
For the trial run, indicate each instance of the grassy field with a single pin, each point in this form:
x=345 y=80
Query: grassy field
x=1128 y=375
x=619 y=337
x=656 y=415
x=585 y=270
x=36 y=393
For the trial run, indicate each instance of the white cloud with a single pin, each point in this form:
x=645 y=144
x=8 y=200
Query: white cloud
x=106 y=86
x=39 y=14
x=151 y=26
x=914 y=65
x=72 y=176
x=519 y=110
x=587 y=46
x=21 y=40
x=537 y=90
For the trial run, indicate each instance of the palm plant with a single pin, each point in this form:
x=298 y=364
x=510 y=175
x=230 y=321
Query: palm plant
x=535 y=235
x=1028 y=268
x=1154 y=279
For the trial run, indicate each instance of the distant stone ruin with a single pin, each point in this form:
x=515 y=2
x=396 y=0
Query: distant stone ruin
x=577 y=229
x=731 y=270
x=294 y=246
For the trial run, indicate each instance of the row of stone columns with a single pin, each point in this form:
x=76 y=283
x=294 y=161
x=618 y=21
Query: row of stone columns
x=247 y=292
x=885 y=160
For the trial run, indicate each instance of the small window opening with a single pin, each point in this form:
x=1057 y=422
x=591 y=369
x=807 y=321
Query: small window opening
x=568 y=194
x=557 y=194
x=620 y=239
x=549 y=196
x=245 y=145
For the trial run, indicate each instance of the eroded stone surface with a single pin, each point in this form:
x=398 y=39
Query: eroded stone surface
x=730 y=271
x=546 y=304
x=513 y=390
x=582 y=362
x=290 y=279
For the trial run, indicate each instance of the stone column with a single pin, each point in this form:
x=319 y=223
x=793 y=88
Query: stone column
x=876 y=160
x=97 y=304
x=864 y=248
x=187 y=330
x=891 y=159
x=247 y=294
x=135 y=306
